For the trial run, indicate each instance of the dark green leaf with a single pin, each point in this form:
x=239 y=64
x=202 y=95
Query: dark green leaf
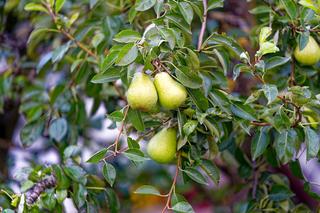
x=290 y=7
x=279 y=193
x=109 y=173
x=135 y=155
x=183 y=207
x=312 y=141
x=110 y=75
x=58 y=129
x=211 y=169
x=143 y=5
x=127 y=36
x=127 y=54
x=195 y=175
x=116 y=116
x=147 y=190
x=98 y=156
x=270 y=91
x=285 y=145
x=243 y=111
x=260 y=142
x=135 y=118
x=275 y=62
x=186 y=11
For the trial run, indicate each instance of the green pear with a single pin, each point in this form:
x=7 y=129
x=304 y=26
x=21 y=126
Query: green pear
x=163 y=145
x=171 y=93
x=142 y=94
x=310 y=54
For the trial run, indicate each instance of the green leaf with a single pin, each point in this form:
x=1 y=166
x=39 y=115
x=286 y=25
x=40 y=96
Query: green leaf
x=186 y=11
x=147 y=190
x=110 y=75
x=212 y=4
x=37 y=32
x=116 y=116
x=223 y=59
x=97 y=39
x=312 y=141
x=76 y=173
x=58 y=5
x=35 y=7
x=296 y=169
x=275 y=62
x=135 y=155
x=127 y=36
x=189 y=127
x=109 y=173
x=290 y=7
x=58 y=129
x=127 y=54
x=188 y=78
x=270 y=91
x=143 y=5
x=61 y=195
x=243 y=111
x=183 y=207
x=303 y=40
x=260 y=143
x=279 y=193
x=132 y=144
x=179 y=22
x=135 y=118
x=211 y=169
x=195 y=175
x=98 y=156
x=59 y=52
x=198 y=99
x=285 y=145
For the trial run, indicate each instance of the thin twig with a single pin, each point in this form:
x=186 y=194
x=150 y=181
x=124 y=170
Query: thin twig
x=204 y=24
x=121 y=128
x=292 y=70
x=173 y=186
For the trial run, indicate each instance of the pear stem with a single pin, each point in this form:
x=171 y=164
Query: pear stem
x=173 y=186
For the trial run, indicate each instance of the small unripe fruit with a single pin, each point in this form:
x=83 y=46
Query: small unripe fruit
x=310 y=54
x=171 y=93
x=163 y=145
x=142 y=94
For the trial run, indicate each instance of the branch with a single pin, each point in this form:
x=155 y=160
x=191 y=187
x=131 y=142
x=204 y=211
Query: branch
x=204 y=24
x=121 y=129
x=173 y=186
x=33 y=194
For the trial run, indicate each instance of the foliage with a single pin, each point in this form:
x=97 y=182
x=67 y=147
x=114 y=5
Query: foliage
x=97 y=46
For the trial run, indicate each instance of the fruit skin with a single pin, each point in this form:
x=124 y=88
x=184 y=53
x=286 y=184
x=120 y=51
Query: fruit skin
x=142 y=94
x=163 y=145
x=171 y=93
x=310 y=55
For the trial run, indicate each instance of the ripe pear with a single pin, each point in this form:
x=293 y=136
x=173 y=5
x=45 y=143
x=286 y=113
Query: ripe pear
x=171 y=93
x=142 y=94
x=310 y=54
x=163 y=145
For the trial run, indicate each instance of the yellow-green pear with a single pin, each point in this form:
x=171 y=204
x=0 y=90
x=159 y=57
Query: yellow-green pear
x=310 y=54
x=163 y=145
x=142 y=94
x=171 y=93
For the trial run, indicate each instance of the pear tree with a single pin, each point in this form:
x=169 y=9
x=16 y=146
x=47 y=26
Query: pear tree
x=168 y=105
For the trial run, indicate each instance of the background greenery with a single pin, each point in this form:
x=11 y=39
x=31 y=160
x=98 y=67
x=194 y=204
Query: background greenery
x=252 y=110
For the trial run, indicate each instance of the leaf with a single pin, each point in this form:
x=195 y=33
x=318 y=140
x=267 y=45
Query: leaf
x=143 y=5
x=270 y=91
x=98 y=156
x=58 y=129
x=243 y=111
x=147 y=190
x=135 y=155
x=223 y=59
x=212 y=4
x=31 y=132
x=303 y=40
x=135 y=118
x=296 y=169
x=188 y=78
x=198 y=99
x=186 y=11
x=127 y=54
x=279 y=193
x=211 y=169
x=312 y=142
x=195 y=175
x=260 y=142
x=183 y=207
x=35 y=7
x=285 y=145
x=179 y=22
x=76 y=173
x=110 y=75
x=189 y=127
x=132 y=144
x=116 y=116
x=127 y=36
x=37 y=32
x=275 y=62
x=58 y=5
x=290 y=7
x=59 y=52
x=109 y=173
x=97 y=39
x=61 y=195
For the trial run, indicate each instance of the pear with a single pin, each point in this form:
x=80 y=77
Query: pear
x=310 y=54
x=162 y=146
x=142 y=94
x=171 y=93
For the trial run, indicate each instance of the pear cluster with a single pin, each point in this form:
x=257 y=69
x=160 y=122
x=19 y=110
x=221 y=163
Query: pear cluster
x=310 y=54
x=143 y=94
